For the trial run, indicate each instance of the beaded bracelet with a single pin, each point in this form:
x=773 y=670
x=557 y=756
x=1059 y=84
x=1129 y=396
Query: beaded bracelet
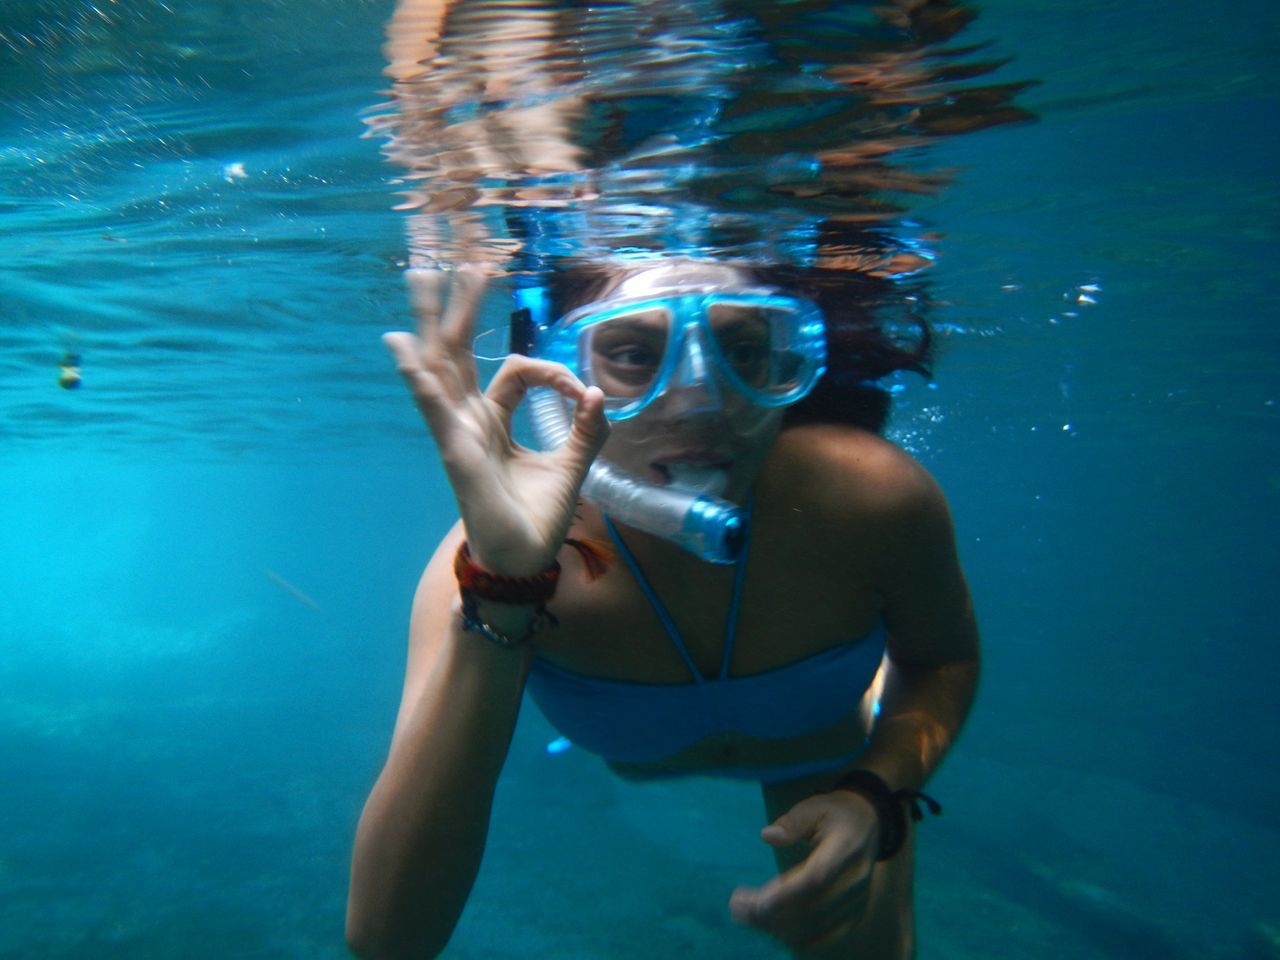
x=890 y=806
x=476 y=584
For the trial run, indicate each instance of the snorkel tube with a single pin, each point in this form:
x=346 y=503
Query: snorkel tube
x=707 y=526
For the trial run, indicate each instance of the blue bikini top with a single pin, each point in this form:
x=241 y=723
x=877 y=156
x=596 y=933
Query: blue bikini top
x=640 y=723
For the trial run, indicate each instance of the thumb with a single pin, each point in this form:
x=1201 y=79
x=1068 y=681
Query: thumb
x=794 y=826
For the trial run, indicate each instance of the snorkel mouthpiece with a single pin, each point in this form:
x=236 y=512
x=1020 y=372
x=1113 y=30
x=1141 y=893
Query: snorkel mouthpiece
x=705 y=526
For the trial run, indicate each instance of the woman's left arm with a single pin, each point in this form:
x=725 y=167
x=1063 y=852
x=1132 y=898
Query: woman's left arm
x=931 y=678
x=932 y=668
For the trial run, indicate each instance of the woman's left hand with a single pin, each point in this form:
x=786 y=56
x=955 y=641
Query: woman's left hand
x=822 y=898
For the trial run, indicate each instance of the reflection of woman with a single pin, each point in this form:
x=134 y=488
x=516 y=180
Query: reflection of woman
x=848 y=593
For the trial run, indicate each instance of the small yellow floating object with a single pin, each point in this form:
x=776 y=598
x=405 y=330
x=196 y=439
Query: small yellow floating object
x=69 y=371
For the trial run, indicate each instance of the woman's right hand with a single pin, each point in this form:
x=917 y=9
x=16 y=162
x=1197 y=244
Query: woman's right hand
x=516 y=504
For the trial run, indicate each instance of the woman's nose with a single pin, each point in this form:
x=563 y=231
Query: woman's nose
x=693 y=387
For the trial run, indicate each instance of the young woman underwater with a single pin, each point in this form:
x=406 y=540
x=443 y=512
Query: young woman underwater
x=834 y=662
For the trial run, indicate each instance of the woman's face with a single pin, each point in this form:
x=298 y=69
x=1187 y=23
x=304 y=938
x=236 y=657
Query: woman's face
x=699 y=433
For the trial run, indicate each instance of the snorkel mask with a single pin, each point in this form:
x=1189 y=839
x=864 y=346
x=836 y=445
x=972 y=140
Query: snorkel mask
x=658 y=332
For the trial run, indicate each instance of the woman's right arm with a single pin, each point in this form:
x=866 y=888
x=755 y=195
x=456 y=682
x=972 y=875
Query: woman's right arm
x=421 y=835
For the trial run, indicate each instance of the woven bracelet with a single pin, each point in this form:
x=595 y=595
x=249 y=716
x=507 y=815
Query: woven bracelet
x=476 y=583
x=483 y=585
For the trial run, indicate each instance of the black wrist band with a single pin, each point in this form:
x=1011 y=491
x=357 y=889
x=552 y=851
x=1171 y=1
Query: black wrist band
x=890 y=806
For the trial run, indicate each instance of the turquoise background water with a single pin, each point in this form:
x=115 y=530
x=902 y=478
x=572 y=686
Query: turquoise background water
x=185 y=743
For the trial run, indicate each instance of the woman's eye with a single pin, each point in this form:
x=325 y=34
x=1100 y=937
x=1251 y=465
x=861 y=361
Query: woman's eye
x=746 y=354
x=632 y=355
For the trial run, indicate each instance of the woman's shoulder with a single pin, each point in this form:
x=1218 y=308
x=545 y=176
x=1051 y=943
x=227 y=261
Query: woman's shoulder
x=847 y=474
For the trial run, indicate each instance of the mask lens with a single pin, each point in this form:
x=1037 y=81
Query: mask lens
x=623 y=354
x=762 y=345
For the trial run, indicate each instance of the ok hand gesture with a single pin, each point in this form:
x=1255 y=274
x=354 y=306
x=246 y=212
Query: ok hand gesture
x=515 y=503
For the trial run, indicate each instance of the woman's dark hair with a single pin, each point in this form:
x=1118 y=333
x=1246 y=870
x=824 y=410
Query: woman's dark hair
x=861 y=346
x=873 y=329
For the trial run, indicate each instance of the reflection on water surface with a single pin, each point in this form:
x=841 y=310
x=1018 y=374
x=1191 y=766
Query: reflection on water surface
x=779 y=133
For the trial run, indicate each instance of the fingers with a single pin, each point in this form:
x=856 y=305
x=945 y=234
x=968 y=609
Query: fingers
x=519 y=374
x=804 y=913
x=797 y=825
x=425 y=388
x=426 y=293
x=449 y=319
x=838 y=907
x=404 y=348
x=458 y=321
x=776 y=904
x=590 y=428
x=438 y=364
x=819 y=900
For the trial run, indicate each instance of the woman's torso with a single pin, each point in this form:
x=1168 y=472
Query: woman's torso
x=809 y=624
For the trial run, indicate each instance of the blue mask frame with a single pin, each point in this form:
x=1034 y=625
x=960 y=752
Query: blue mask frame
x=561 y=342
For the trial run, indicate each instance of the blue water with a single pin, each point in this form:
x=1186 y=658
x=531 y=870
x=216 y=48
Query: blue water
x=209 y=548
